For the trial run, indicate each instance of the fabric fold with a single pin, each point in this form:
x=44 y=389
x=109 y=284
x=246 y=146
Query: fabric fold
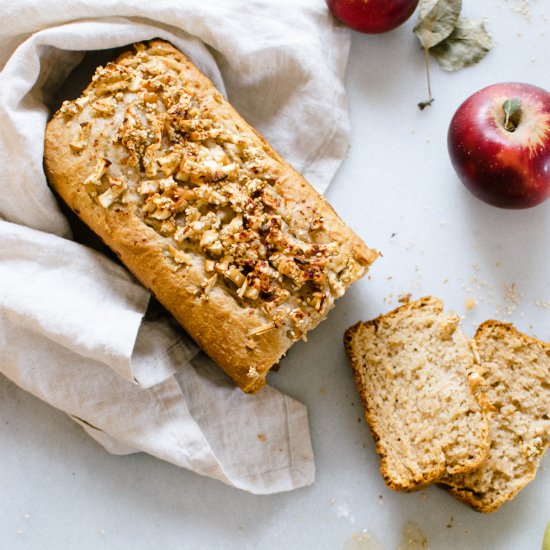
x=76 y=329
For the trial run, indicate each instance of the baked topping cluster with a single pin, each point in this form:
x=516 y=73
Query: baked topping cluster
x=208 y=188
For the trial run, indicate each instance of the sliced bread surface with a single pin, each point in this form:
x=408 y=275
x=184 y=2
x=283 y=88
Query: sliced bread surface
x=411 y=367
x=516 y=369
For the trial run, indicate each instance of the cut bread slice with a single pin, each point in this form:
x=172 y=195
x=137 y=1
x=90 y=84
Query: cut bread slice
x=516 y=369
x=411 y=367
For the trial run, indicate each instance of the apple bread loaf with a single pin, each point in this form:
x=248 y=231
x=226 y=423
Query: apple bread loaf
x=415 y=373
x=244 y=253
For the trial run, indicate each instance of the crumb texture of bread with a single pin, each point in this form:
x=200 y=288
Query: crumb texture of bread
x=244 y=253
x=516 y=369
x=411 y=367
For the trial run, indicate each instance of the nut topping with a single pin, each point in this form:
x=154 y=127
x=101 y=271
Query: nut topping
x=210 y=189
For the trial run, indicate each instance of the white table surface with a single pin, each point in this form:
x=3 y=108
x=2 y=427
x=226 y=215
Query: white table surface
x=397 y=189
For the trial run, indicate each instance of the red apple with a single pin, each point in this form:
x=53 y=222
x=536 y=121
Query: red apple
x=499 y=143
x=372 y=16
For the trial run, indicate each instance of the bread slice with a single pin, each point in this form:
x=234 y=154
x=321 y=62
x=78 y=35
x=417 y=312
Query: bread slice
x=411 y=367
x=516 y=369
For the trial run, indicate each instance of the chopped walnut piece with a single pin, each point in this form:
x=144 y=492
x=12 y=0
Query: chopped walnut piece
x=404 y=298
x=110 y=79
x=167 y=183
x=148 y=186
x=208 y=284
x=116 y=188
x=448 y=327
x=244 y=287
x=169 y=163
x=104 y=107
x=258 y=331
x=252 y=373
x=187 y=125
x=209 y=265
x=210 y=241
x=167 y=227
x=132 y=134
x=474 y=380
x=204 y=135
x=163 y=210
x=235 y=275
x=136 y=83
x=70 y=109
x=297 y=315
x=178 y=111
x=79 y=143
x=318 y=301
x=179 y=257
x=317 y=224
x=149 y=158
x=472 y=344
x=97 y=173
x=149 y=97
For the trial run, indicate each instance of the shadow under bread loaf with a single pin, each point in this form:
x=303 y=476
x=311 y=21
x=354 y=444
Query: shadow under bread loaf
x=244 y=253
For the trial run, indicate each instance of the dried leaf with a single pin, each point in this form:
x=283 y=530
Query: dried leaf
x=436 y=21
x=468 y=44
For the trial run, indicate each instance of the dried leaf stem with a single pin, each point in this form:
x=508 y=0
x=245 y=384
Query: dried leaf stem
x=423 y=104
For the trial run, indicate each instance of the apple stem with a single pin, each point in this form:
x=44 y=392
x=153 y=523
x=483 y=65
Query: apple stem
x=423 y=104
x=512 y=110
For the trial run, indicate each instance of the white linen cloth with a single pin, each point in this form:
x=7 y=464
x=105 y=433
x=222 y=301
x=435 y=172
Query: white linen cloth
x=72 y=325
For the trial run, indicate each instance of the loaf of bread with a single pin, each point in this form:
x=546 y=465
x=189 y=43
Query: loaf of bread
x=516 y=369
x=416 y=376
x=244 y=253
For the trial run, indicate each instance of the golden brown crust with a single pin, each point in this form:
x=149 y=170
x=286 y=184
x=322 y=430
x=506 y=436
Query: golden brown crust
x=244 y=339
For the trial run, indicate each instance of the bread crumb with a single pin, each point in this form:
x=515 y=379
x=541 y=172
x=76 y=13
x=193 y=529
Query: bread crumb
x=413 y=538
x=404 y=298
x=363 y=539
x=524 y=9
x=470 y=303
x=512 y=299
x=475 y=380
x=252 y=373
x=262 y=438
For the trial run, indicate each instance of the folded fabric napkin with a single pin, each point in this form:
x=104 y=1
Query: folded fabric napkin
x=73 y=324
